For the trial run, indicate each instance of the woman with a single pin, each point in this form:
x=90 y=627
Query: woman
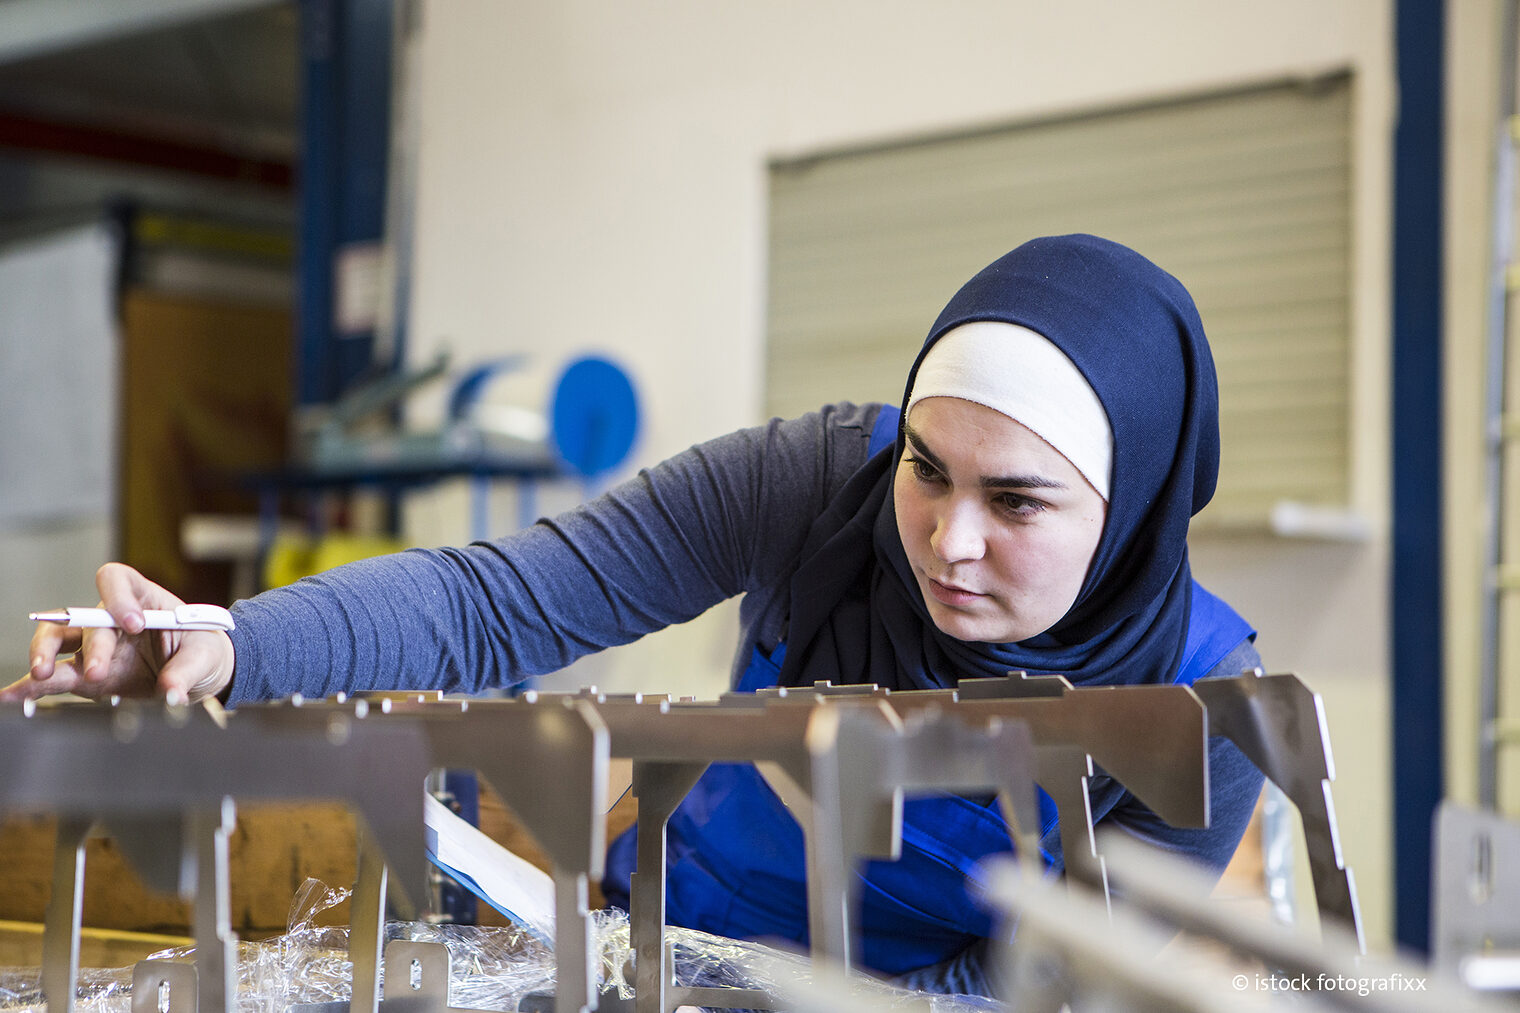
x=1028 y=510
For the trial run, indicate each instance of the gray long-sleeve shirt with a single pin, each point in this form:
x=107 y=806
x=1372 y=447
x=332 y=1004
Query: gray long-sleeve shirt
x=724 y=518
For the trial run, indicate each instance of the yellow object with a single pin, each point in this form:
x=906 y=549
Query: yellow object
x=166 y=230
x=290 y=557
x=21 y=945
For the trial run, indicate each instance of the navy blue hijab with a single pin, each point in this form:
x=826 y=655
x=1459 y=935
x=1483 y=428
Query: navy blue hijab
x=858 y=615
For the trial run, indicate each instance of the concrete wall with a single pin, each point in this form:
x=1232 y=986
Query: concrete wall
x=593 y=175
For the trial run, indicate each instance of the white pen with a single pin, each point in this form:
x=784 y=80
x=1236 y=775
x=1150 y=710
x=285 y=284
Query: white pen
x=186 y=617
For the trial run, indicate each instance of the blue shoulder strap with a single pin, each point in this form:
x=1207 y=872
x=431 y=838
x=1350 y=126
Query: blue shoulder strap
x=884 y=432
x=1214 y=630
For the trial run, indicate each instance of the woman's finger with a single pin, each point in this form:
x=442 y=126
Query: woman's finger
x=63 y=677
x=48 y=641
x=95 y=654
x=124 y=593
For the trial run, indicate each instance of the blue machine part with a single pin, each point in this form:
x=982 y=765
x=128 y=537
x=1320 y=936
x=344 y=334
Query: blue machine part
x=468 y=390
x=595 y=416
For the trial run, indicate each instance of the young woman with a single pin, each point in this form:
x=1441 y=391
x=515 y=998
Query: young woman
x=1027 y=510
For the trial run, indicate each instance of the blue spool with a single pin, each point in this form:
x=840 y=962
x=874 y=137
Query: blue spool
x=595 y=416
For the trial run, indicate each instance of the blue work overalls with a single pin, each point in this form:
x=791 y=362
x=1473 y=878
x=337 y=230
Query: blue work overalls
x=736 y=858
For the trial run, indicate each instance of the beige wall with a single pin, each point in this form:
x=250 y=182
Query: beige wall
x=1471 y=118
x=593 y=175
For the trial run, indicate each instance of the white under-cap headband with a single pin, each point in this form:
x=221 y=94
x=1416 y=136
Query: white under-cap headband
x=1020 y=373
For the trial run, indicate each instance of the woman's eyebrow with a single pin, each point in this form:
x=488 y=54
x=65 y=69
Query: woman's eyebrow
x=987 y=481
x=921 y=448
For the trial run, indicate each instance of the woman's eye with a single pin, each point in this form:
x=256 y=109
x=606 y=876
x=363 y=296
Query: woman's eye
x=923 y=470
x=1024 y=506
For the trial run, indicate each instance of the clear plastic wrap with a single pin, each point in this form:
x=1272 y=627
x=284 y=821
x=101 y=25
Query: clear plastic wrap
x=490 y=968
x=99 y=991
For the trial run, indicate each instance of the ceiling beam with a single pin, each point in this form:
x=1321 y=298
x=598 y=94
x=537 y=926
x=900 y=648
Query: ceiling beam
x=25 y=133
x=35 y=27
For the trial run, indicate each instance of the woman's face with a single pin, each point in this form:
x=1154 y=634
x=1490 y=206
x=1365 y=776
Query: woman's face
x=998 y=526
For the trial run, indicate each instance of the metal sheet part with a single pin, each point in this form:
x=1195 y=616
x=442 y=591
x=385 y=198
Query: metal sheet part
x=500 y=739
x=164 y=986
x=163 y=778
x=1279 y=724
x=416 y=978
x=60 y=929
x=841 y=757
x=136 y=761
x=1074 y=951
x=1476 y=887
x=1151 y=739
x=1176 y=894
x=207 y=828
x=841 y=769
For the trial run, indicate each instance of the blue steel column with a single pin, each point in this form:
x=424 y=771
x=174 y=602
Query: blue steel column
x=345 y=142
x=1415 y=608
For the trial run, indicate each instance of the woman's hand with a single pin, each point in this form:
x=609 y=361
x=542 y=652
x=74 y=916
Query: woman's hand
x=183 y=666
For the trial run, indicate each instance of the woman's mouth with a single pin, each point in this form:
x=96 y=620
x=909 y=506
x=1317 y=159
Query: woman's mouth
x=949 y=594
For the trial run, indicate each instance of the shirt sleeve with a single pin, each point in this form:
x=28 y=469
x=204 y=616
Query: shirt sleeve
x=659 y=549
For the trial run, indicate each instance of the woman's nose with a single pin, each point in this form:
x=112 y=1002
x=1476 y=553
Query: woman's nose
x=958 y=533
